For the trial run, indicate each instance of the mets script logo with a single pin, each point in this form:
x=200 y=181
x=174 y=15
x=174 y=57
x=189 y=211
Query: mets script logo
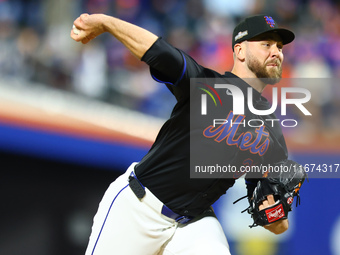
x=256 y=142
x=270 y=21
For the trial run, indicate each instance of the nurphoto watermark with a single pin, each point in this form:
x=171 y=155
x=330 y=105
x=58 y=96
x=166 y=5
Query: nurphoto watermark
x=234 y=127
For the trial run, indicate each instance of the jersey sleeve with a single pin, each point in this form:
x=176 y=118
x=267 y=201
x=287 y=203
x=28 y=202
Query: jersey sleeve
x=171 y=66
x=166 y=62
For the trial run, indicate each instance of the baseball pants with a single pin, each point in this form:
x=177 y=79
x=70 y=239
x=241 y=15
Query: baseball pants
x=126 y=225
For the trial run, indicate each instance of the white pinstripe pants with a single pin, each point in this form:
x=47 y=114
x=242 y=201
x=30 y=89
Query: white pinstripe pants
x=125 y=225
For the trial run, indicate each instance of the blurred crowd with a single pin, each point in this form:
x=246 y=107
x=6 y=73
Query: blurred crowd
x=36 y=46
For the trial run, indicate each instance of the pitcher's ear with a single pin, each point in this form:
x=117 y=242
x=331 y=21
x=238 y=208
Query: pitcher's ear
x=239 y=51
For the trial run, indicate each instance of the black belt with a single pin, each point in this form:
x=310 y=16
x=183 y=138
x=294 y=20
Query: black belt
x=139 y=191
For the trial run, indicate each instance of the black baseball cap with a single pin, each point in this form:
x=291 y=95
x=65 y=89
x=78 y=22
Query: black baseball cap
x=259 y=24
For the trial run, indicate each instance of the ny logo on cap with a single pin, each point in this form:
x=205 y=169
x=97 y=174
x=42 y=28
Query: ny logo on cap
x=270 y=21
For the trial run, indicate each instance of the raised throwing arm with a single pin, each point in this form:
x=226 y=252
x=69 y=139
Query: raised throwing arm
x=136 y=39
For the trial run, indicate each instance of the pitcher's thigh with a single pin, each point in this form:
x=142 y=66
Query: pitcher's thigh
x=202 y=237
x=125 y=225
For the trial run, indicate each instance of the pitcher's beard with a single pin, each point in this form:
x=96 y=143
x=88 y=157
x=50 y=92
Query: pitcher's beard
x=271 y=76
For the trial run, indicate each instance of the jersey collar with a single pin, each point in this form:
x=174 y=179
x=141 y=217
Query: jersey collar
x=235 y=80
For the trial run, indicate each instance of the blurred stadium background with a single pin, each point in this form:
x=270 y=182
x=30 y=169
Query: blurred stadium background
x=73 y=117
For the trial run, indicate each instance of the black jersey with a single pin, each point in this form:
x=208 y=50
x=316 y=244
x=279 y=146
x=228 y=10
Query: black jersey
x=165 y=168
